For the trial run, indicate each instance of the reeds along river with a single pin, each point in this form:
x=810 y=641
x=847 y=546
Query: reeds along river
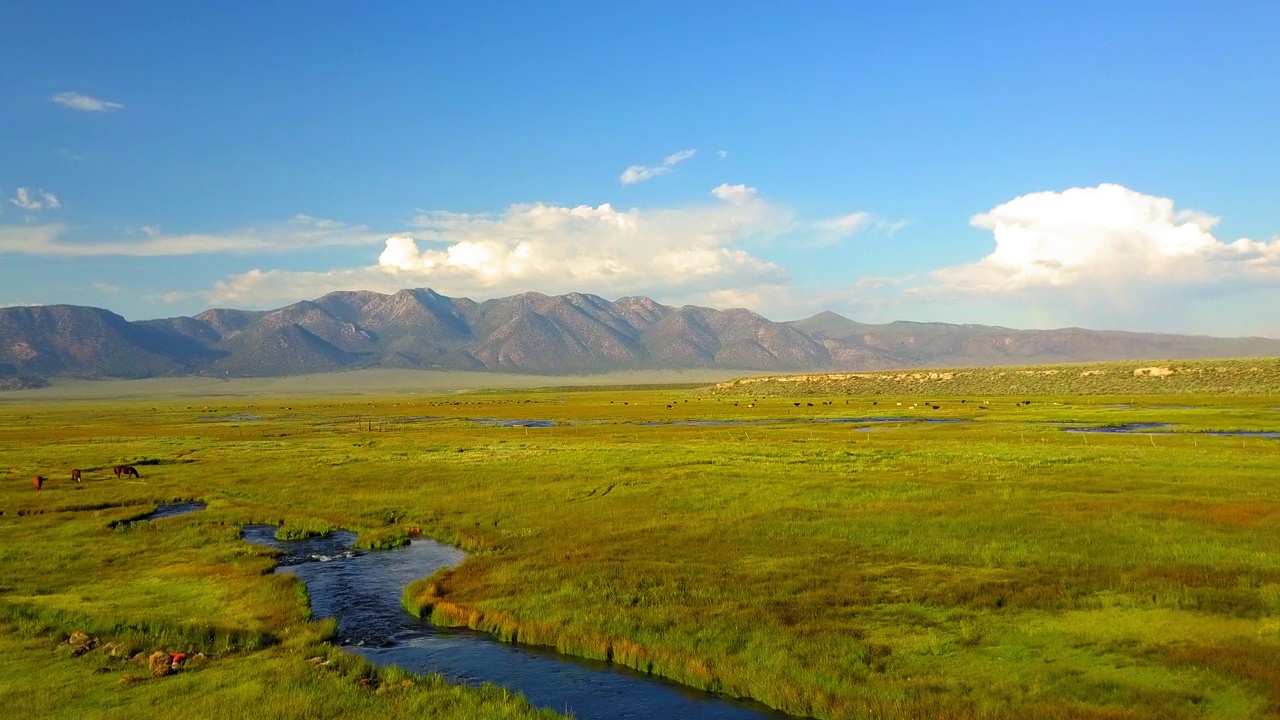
x=362 y=591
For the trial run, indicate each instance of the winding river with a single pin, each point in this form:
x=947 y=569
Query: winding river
x=362 y=590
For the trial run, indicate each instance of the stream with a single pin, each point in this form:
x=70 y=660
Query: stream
x=363 y=589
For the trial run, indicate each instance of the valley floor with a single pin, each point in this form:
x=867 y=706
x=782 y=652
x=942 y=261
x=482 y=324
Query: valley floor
x=992 y=566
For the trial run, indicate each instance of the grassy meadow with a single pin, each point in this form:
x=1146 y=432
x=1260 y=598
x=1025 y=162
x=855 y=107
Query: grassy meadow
x=991 y=567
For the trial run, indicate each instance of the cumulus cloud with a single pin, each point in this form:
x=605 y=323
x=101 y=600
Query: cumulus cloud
x=300 y=233
x=682 y=252
x=640 y=173
x=84 y=103
x=1104 y=237
x=35 y=200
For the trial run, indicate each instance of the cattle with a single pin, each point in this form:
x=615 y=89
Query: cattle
x=75 y=475
x=129 y=471
x=38 y=482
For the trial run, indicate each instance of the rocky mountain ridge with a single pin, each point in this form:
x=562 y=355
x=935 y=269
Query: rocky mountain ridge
x=530 y=333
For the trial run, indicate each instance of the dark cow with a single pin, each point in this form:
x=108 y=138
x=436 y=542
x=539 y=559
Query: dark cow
x=38 y=482
x=75 y=475
x=128 y=471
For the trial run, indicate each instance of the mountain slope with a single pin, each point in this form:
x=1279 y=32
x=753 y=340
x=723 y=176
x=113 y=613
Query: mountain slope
x=91 y=342
x=532 y=333
x=918 y=344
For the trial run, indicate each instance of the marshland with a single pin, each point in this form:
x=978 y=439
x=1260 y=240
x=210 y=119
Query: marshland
x=813 y=547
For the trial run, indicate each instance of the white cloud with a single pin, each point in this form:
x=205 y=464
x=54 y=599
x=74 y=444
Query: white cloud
x=736 y=194
x=640 y=173
x=1106 y=238
x=722 y=154
x=846 y=224
x=300 y=233
x=84 y=103
x=684 y=252
x=35 y=200
x=831 y=231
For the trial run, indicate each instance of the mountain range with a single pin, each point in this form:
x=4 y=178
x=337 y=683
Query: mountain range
x=531 y=333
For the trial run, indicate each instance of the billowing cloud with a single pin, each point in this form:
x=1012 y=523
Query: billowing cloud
x=300 y=233
x=35 y=200
x=640 y=173
x=681 y=252
x=1104 y=237
x=84 y=103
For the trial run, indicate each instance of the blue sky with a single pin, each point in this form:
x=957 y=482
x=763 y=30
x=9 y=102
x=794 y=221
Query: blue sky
x=1099 y=164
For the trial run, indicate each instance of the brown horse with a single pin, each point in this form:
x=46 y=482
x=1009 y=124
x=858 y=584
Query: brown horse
x=75 y=475
x=38 y=482
x=117 y=470
x=128 y=471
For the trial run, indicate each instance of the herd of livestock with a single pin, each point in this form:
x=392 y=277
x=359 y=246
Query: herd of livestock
x=120 y=470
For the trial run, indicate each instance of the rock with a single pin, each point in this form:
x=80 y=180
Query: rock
x=161 y=663
x=80 y=639
x=197 y=660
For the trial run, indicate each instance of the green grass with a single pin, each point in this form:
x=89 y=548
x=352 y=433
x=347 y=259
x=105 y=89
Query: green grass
x=992 y=568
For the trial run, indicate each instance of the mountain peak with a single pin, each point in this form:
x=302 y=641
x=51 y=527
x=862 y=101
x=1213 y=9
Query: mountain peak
x=531 y=332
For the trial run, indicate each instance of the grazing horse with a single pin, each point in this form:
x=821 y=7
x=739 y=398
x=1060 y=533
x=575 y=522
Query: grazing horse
x=75 y=475
x=128 y=471
x=38 y=482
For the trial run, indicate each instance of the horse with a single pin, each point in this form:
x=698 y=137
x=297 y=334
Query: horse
x=75 y=475
x=38 y=482
x=117 y=470
x=128 y=471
